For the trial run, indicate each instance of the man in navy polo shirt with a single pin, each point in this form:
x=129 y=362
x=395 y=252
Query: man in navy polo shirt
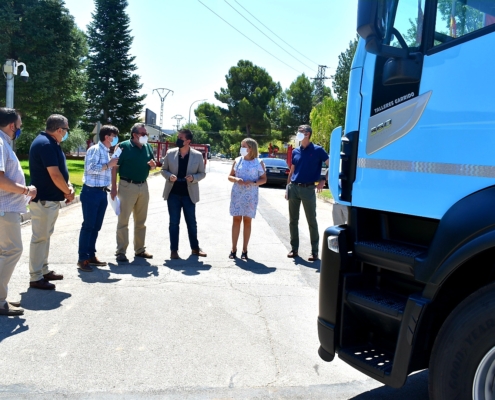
x=48 y=169
x=304 y=172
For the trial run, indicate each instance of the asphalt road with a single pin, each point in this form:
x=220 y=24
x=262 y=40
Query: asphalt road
x=208 y=328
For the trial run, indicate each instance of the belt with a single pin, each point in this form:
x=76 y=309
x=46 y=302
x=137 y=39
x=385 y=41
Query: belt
x=131 y=181
x=312 y=184
x=104 y=188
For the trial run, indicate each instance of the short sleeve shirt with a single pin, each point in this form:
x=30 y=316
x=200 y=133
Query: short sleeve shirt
x=307 y=163
x=10 y=166
x=133 y=161
x=46 y=152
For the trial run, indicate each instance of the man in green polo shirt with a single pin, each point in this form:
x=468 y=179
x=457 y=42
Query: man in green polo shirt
x=133 y=167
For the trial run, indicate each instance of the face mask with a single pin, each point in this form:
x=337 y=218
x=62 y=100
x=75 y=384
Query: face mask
x=244 y=151
x=115 y=140
x=143 y=139
x=179 y=143
x=65 y=136
x=17 y=133
x=300 y=136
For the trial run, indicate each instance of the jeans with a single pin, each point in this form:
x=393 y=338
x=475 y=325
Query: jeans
x=307 y=196
x=175 y=204
x=94 y=204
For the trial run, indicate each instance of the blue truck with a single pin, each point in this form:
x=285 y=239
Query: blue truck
x=409 y=282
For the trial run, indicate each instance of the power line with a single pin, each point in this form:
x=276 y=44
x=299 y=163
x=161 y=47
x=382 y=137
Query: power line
x=248 y=37
x=295 y=58
x=314 y=62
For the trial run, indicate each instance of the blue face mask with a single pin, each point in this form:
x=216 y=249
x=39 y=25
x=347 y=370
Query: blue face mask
x=115 y=140
x=17 y=133
x=65 y=136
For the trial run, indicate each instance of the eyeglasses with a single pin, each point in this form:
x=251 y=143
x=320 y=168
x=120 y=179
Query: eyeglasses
x=65 y=129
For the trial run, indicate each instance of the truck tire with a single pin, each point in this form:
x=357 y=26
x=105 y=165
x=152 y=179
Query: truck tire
x=462 y=363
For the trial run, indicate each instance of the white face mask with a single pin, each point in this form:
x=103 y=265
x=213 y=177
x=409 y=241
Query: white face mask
x=244 y=151
x=143 y=139
x=300 y=136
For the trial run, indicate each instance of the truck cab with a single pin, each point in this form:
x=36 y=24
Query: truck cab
x=409 y=282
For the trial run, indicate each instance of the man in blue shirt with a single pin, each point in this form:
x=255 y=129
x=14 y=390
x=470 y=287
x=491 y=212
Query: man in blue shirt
x=49 y=174
x=97 y=177
x=304 y=172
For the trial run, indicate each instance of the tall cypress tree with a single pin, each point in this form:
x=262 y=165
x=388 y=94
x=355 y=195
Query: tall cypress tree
x=112 y=91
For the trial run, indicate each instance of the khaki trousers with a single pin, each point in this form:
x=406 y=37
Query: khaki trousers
x=43 y=218
x=10 y=249
x=134 y=198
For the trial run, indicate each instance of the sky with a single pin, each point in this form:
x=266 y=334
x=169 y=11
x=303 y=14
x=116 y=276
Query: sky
x=184 y=46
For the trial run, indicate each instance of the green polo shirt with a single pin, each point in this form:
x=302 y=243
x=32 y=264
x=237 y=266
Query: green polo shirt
x=133 y=161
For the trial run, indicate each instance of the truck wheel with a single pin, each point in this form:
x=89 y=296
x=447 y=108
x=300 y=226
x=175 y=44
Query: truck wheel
x=462 y=363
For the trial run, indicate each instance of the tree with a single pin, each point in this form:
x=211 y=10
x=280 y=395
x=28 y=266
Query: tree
x=324 y=119
x=248 y=93
x=209 y=117
x=42 y=34
x=112 y=90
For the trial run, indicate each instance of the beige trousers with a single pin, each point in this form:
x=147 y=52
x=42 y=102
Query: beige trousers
x=43 y=218
x=134 y=198
x=10 y=249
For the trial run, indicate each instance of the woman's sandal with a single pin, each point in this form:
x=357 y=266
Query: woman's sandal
x=232 y=255
x=244 y=255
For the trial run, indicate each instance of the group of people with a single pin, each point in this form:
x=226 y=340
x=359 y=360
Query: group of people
x=183 y=167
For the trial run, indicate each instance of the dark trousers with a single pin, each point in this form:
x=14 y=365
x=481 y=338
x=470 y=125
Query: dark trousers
x=94 y=204
x=175 y=205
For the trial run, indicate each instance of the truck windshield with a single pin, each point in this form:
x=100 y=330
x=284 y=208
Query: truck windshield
x=405 y=17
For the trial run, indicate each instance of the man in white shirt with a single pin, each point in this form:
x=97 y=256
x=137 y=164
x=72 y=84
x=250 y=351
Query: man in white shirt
x=13 y=198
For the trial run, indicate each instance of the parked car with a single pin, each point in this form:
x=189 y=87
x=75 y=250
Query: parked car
x=277 y=170
x=324 y=169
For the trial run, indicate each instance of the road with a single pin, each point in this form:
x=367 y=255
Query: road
x=209 y=328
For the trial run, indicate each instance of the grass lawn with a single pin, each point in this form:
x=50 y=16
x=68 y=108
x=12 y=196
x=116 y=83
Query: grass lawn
x=325 y=194
x=76 y=170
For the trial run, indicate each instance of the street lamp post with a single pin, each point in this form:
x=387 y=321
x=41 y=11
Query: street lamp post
x=195 y=101
x=10 y=69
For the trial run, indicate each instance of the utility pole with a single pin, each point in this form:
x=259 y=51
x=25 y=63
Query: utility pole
x=319 y=83
x=160 y=92
x=178 y=118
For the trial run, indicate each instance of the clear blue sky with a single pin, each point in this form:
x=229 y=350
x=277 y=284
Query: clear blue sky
x=183 y=46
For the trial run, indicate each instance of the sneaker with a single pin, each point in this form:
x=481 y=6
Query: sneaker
x=122 y=258
x=144 y=254
x=94 y=261
x=10 y=310
x=84 y=266
x=198 y=252
x=14 y=303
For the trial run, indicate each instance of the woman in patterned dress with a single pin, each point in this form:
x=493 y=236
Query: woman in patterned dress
x=248 y=172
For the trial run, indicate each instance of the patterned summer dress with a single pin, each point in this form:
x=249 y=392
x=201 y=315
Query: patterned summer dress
x=244 y=199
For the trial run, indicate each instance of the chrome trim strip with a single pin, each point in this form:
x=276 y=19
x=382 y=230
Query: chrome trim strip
x=480 y=171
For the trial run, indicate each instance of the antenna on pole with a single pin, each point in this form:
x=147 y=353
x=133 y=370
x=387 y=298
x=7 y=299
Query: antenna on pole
x=319 y=83
x=160 y=92
x=178 y=118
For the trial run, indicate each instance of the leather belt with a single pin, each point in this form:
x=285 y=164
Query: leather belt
x=312 y=184
x=131 y=181
x=104 y=188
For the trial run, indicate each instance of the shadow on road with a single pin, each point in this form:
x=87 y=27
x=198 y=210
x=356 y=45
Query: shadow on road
x=11 y=326
x=254 y=267
x=97 y=276
x=299 y=261
x=190 y=266
x=139 y=268
x=415 y=388
x=38 y=300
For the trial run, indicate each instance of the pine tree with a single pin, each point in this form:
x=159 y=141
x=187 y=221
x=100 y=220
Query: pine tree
x=112 y=91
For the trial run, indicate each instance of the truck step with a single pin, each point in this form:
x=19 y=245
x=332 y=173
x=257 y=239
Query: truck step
x=376 y=362
x=390 y=255
x=379 y=301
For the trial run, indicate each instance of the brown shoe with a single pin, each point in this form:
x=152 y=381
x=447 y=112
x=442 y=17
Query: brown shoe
x=198 y=252
x=42 y=284
x=293 y=254
x=144 y=254
x=313 y=257
x=174 y=255
x=122 y=258
x=14 y=303
x=52 y=276
x=84 y=266
x=10 y=310
x=94 y=261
